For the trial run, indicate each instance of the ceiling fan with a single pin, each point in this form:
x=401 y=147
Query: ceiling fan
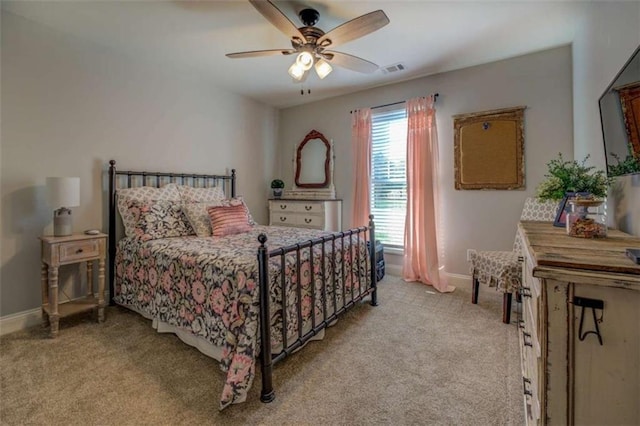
x=311 y=44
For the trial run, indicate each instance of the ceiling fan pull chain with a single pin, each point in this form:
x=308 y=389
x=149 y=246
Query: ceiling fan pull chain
x=302 y=90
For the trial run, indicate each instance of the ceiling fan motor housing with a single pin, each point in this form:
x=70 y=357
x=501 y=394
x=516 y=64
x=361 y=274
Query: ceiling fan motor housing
x=309 y=17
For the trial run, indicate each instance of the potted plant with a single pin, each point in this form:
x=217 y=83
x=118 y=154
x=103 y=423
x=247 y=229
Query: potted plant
x=277 y=185
x=572 y=177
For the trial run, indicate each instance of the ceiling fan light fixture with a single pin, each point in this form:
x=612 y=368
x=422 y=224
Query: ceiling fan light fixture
x=305 y=60
x=296 y=71
x=323 y=68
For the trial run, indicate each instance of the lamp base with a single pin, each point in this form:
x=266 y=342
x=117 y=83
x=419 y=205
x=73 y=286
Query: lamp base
x=62 y=222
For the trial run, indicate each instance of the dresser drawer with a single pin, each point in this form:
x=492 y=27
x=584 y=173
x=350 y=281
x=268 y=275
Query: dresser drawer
x=311 y=221
x=315 y=214
x=297 y=219
x=74 y=251
x=283 y=219
x=297 y=206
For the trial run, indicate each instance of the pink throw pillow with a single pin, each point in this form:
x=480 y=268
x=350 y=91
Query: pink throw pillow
x=228 y=220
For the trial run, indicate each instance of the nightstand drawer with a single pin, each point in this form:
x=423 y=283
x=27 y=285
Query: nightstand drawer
x=78 y=250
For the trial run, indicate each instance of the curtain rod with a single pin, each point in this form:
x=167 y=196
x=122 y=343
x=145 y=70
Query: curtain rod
x=435 y=97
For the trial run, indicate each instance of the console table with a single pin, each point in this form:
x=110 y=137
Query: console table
x=579 y=328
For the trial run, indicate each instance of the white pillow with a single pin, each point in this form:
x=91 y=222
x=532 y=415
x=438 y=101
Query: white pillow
x=190 y=194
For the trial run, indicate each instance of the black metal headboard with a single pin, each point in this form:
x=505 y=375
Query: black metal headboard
x=119 y=179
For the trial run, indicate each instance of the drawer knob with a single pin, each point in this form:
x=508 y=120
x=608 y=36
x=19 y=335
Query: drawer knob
x=526 y=336
x=525 y=291
x=307 y=208
x=307 y=220
x=79 y=251
x=283 y=219
x=283 y=206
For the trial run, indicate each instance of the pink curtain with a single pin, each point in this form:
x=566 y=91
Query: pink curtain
x=422 y=260
x=361 y=144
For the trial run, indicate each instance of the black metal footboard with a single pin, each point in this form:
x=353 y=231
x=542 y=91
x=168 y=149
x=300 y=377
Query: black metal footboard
x=333 y=286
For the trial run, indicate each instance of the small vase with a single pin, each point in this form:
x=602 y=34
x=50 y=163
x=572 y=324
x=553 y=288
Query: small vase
x=277 y=192
x=587 y=219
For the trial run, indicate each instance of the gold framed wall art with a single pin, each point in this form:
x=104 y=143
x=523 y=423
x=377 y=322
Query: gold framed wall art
x=489 y=149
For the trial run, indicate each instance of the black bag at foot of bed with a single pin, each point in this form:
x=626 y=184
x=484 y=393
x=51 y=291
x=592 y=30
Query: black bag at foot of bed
x=379 y=259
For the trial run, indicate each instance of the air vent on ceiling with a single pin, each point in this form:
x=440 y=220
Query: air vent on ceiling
x=393 y=68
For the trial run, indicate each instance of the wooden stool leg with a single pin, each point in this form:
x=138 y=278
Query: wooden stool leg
x=475 y=284
x=506 y=308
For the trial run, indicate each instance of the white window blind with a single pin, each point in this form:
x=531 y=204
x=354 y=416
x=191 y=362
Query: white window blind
x=389 y=174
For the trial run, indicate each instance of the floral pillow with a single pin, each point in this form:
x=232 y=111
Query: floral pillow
x=143 y=193
x=158 y=219
x=228 y=220
x=189 y=194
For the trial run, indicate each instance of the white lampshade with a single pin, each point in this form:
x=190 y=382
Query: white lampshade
x=63 y=191
x=323 y=68
x=305 y=60
x=297 y=72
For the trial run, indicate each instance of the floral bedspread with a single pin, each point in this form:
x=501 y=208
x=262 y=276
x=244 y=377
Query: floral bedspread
x=209 y=287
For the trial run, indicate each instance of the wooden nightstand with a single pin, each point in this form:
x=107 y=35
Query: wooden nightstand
x=75 y=248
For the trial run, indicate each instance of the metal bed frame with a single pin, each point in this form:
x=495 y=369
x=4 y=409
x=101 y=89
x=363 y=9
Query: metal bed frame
x=267 y=359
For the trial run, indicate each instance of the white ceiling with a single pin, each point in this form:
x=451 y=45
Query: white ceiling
x=426 y=36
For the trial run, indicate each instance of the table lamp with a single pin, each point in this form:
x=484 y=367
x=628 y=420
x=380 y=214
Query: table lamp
x=63 y=192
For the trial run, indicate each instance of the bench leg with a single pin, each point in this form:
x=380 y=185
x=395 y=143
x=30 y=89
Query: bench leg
x=474 y=290
x=506 y=308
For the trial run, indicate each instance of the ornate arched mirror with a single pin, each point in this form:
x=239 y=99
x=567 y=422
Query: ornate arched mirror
x=313 y=167
x=313 y=158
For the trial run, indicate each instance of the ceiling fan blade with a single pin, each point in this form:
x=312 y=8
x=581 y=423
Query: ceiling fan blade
x=351 y=62
x=354 y=28
x=255 y=53
x=277 y=18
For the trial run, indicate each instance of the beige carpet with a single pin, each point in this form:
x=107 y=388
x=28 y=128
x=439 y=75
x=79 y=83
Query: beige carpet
x=418 y=358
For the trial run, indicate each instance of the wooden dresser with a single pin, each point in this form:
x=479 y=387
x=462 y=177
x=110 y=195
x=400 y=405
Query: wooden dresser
x=580 y=328
x=316 y=214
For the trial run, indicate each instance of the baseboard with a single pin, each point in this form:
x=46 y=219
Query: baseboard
x=456 y=280
x=25 y=319
x=20 y=321
x=459 y=280
x=395 y=270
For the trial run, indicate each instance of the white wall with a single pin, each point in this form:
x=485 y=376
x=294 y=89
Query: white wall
x=69 y=106
x=472 y=219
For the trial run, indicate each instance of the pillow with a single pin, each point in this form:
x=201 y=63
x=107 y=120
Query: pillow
x=228 y=220
x=236 y=202
x=190 y=194
x=199 y=217
x=158 y=219
x=168 y=192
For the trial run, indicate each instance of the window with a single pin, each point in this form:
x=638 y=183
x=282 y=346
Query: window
x=389 y=174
